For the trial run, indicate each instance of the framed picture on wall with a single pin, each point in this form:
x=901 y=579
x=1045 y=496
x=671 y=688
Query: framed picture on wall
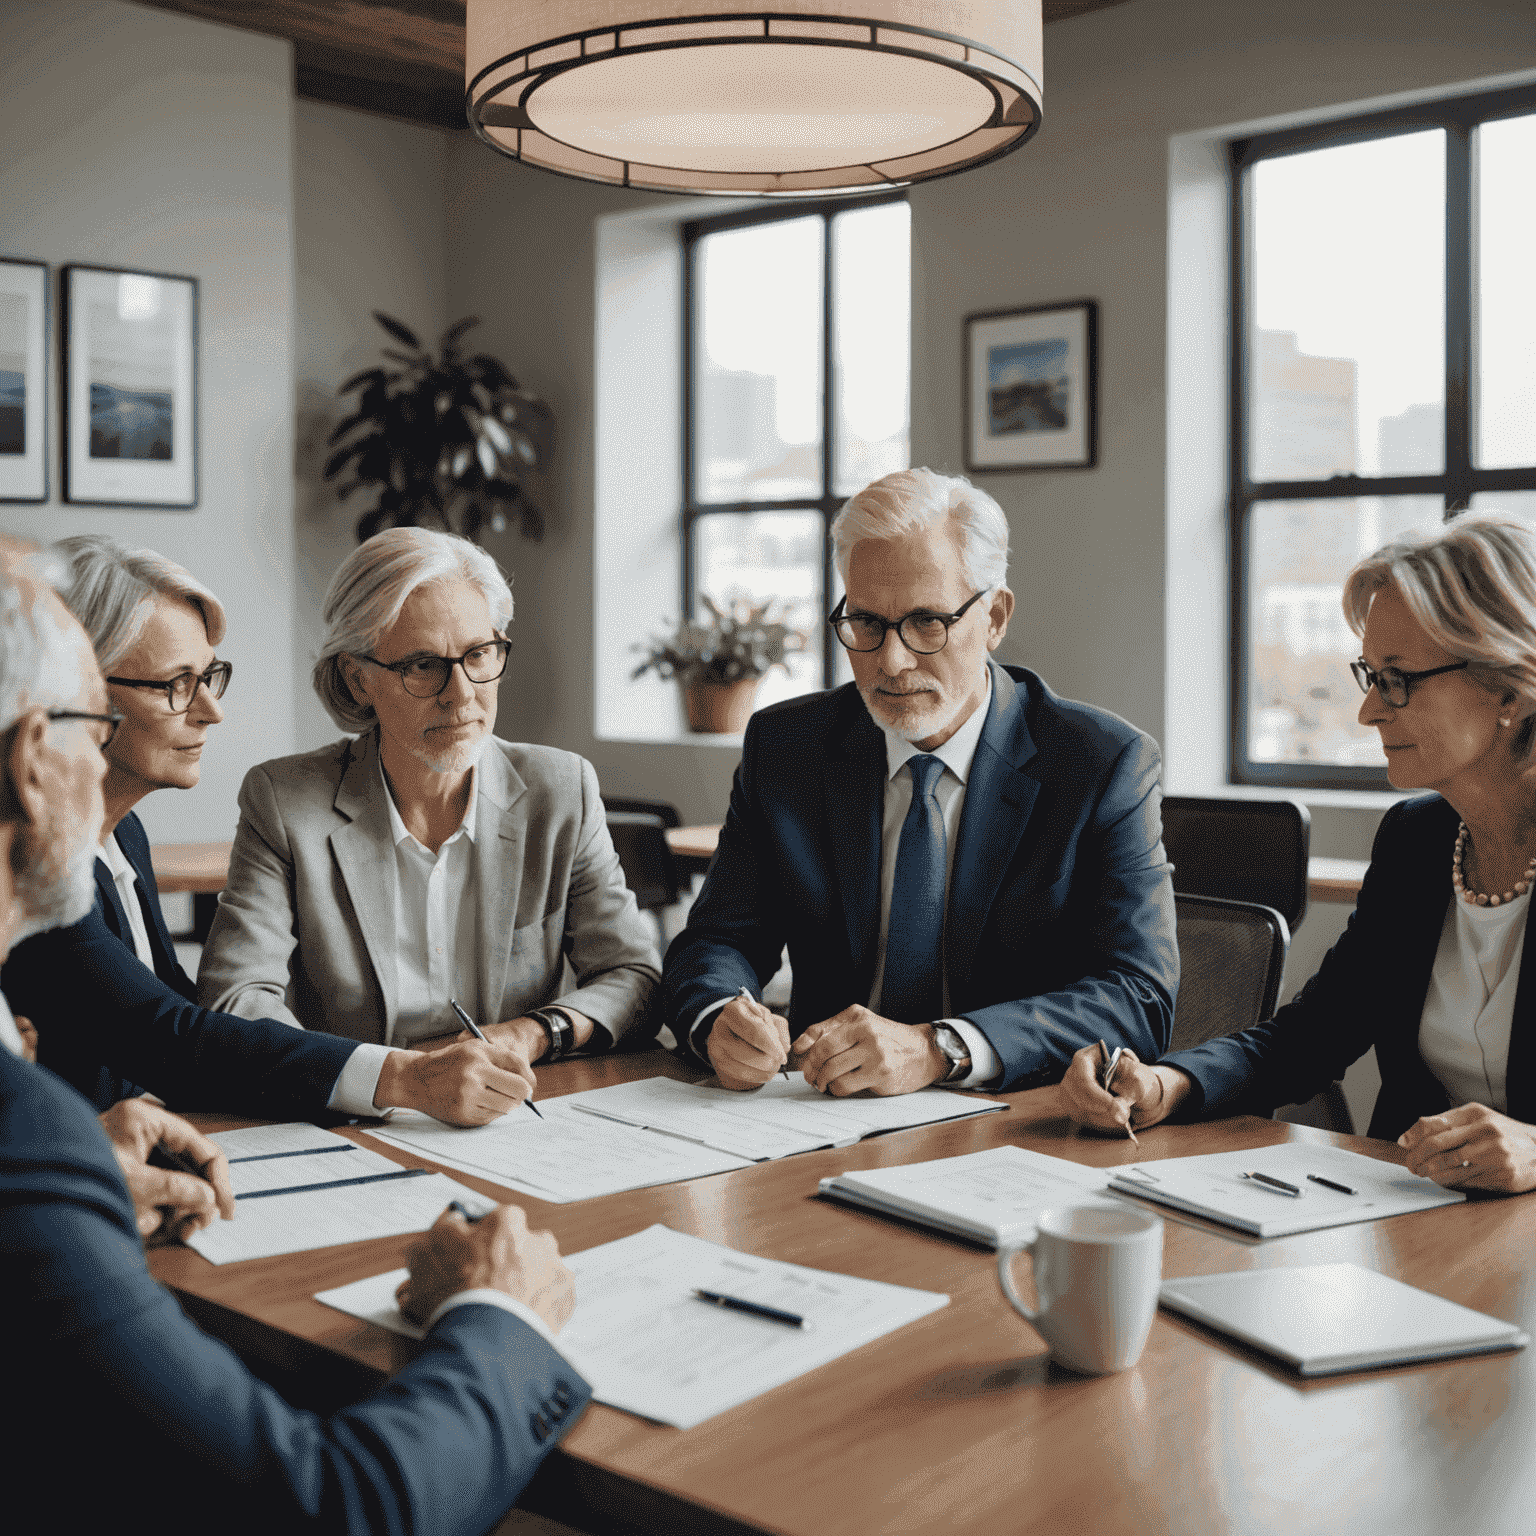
x=130 y=388
x=23 y=380
x=1032 y=387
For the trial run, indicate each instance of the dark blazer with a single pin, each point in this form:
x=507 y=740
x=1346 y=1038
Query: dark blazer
x=111 y=1027
x=1369 y=991
x=113 y=1370
x=1060 y=927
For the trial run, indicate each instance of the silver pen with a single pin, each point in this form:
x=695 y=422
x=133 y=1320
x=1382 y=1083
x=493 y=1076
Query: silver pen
x=479 y=1034
x=742 y=992
x=1109 y=1064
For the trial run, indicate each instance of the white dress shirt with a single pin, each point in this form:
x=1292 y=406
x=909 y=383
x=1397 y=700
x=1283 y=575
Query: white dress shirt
x=127 y=883
x=10 y=1036
x=956 y=754
x=1469 y=1009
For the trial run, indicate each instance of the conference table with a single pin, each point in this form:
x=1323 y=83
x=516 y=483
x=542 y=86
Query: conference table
x=959 y=1422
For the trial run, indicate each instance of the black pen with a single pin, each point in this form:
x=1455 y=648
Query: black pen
x=464 y=1211
x=479 y=1034
x=162 y=1156
x=753 y=1308
x=742 y=992
x=1276 y=1184
x=1343 y=1189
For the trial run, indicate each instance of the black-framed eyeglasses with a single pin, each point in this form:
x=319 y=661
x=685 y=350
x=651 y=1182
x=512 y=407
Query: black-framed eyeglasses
x=922 y=631
x=180 y=690
x=1392 y=683
x=111 y=720
x=425 y=677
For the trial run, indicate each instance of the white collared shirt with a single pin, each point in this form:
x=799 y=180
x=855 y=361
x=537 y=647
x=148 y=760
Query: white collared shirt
x=127 y=882
x=10 y=1036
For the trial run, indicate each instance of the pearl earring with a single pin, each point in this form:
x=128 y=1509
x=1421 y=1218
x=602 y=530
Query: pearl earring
x=1504 y=723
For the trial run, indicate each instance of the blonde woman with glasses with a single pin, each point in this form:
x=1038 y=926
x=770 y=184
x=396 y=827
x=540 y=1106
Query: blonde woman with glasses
x=1433 y=969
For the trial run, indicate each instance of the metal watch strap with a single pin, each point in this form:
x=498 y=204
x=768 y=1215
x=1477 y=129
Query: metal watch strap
x=557 y=1024
x=954 y=1049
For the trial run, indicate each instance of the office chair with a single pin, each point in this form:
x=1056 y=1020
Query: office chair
x=667 y=814
x=1231 y=959
x=1242 y=850
x=640 y=841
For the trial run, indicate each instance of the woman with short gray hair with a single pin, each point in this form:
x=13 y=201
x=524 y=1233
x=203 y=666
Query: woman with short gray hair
x=1433 y=970
x=386 y=885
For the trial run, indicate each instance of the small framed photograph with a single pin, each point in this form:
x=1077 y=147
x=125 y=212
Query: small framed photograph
x=1032 y=387
x=23 y=380
x=130 y=388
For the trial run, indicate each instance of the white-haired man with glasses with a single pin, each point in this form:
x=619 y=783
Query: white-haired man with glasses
x=968 y=871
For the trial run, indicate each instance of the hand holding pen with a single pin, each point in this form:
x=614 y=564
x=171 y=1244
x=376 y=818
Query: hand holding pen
x=479 y=1035
x=748 y=1043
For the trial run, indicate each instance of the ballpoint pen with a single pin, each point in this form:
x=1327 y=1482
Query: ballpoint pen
x=1278 y=1185
x=753 y=1308
x=1109 y=1064
x=1343 y=1189
x=742 y=992
x=479 y=1034
x=470 y=1216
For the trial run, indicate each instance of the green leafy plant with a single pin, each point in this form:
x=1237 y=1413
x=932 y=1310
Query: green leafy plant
x=448 y=440
x=734 y=644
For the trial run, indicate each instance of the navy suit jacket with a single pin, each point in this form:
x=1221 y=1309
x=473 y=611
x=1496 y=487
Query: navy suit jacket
x=1369 y=991
x=120 y=1383
x=1060 y=926
x=111 y=1027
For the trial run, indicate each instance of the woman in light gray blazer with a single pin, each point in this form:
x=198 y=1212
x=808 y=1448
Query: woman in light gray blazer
x=378 y=880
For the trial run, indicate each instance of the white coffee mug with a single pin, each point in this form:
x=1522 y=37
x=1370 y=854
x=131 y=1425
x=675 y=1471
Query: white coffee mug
x=1097 y=1272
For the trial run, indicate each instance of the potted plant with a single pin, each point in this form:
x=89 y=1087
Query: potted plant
x=718 y=661
x=448 y=440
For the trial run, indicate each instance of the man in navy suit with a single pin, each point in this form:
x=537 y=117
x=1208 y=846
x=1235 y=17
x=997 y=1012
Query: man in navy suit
x=110 y=1366
x=967 y=870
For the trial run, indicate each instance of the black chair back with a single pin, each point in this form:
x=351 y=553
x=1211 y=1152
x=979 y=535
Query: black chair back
x=666 y=814
x=641 y=844
x=1231 y=956
x=1242 y=850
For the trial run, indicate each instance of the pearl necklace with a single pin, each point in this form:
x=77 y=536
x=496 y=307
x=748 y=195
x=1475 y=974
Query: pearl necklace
x=1477 y=898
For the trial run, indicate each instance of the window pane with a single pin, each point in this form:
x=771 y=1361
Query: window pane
x=754 y=556
x=758 y=387
x=1348 y=363
x=1506 y=343
x=1521 y=504
x=1302 y=700
x=872 y=331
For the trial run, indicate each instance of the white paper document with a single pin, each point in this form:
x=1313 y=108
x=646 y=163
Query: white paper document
x=563 y=1157
x=1214 y=1186
x=992 y=1197
x=648 y=1345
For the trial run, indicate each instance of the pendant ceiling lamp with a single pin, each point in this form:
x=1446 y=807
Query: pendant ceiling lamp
x=828 y=96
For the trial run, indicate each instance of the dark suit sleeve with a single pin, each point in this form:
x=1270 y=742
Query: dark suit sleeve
x=96 y=1006
x=112 y=1365
x=1127 y=952
x=1330 y=1024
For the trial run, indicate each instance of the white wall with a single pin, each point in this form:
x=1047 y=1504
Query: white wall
x=139 y=139
x=370 y=233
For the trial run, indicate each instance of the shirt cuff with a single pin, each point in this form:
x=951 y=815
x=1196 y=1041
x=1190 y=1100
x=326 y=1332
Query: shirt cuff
x=700 y=1047
x=985 y=1063
x=358 y=1081
x=485 y=1296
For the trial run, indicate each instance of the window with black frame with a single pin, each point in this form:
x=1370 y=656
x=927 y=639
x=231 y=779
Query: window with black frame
x=1383 y=380
x=797 y=360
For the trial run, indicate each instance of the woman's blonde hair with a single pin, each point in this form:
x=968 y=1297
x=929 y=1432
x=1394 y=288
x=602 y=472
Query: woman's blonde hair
x=1472 y=587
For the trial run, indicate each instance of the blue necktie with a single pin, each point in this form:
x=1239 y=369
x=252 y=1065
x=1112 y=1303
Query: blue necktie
x=912 y=988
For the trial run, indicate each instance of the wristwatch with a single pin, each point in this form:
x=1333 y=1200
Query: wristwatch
x=956 y=1052
x=557 y=1025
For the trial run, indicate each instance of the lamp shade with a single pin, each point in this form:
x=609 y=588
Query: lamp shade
x=680 y=96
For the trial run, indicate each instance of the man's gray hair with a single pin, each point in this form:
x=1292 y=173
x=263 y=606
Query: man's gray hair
x=38 y=665
x=366 y=595
x=112 y=590
x=915 y=500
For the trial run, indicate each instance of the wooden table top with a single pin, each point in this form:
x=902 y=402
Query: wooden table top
x=958 y=1423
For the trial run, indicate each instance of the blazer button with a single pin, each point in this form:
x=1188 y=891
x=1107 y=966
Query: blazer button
x=540 y=1427
x=564 y=1394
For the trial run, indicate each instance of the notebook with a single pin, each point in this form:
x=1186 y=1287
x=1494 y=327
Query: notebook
x=1324 y=1318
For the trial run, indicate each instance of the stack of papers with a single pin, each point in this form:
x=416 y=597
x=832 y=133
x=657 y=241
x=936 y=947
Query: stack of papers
x=299 y=1187
x=648 y=1345
x=992 y=1197
x=1214 y=1186
x=657 y=1131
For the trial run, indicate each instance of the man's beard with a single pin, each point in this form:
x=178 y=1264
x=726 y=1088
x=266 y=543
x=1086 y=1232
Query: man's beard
x=54 y=895
x=914 y=725
x=459 y=758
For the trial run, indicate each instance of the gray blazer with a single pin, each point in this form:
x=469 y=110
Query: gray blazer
x=305 y=930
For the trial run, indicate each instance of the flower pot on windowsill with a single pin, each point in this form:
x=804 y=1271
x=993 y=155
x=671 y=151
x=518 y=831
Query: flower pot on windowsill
x=720 y=709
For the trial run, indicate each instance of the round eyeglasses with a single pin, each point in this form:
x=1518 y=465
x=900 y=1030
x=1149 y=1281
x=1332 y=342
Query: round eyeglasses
x=110 y=721
x=180 y=690
x=425 y=677
x=1392 y=683
x=922 y=631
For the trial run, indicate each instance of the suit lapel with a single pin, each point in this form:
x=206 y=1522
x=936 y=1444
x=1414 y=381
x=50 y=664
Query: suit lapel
x=111 y=904
x=135 y=848
x=499 y=835
x=999 y=796
x=365 y=856
x=853 y=781
x=1520 y=1071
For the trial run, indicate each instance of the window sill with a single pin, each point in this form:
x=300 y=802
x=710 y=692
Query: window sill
x=681 y=739
x=1343 y=799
